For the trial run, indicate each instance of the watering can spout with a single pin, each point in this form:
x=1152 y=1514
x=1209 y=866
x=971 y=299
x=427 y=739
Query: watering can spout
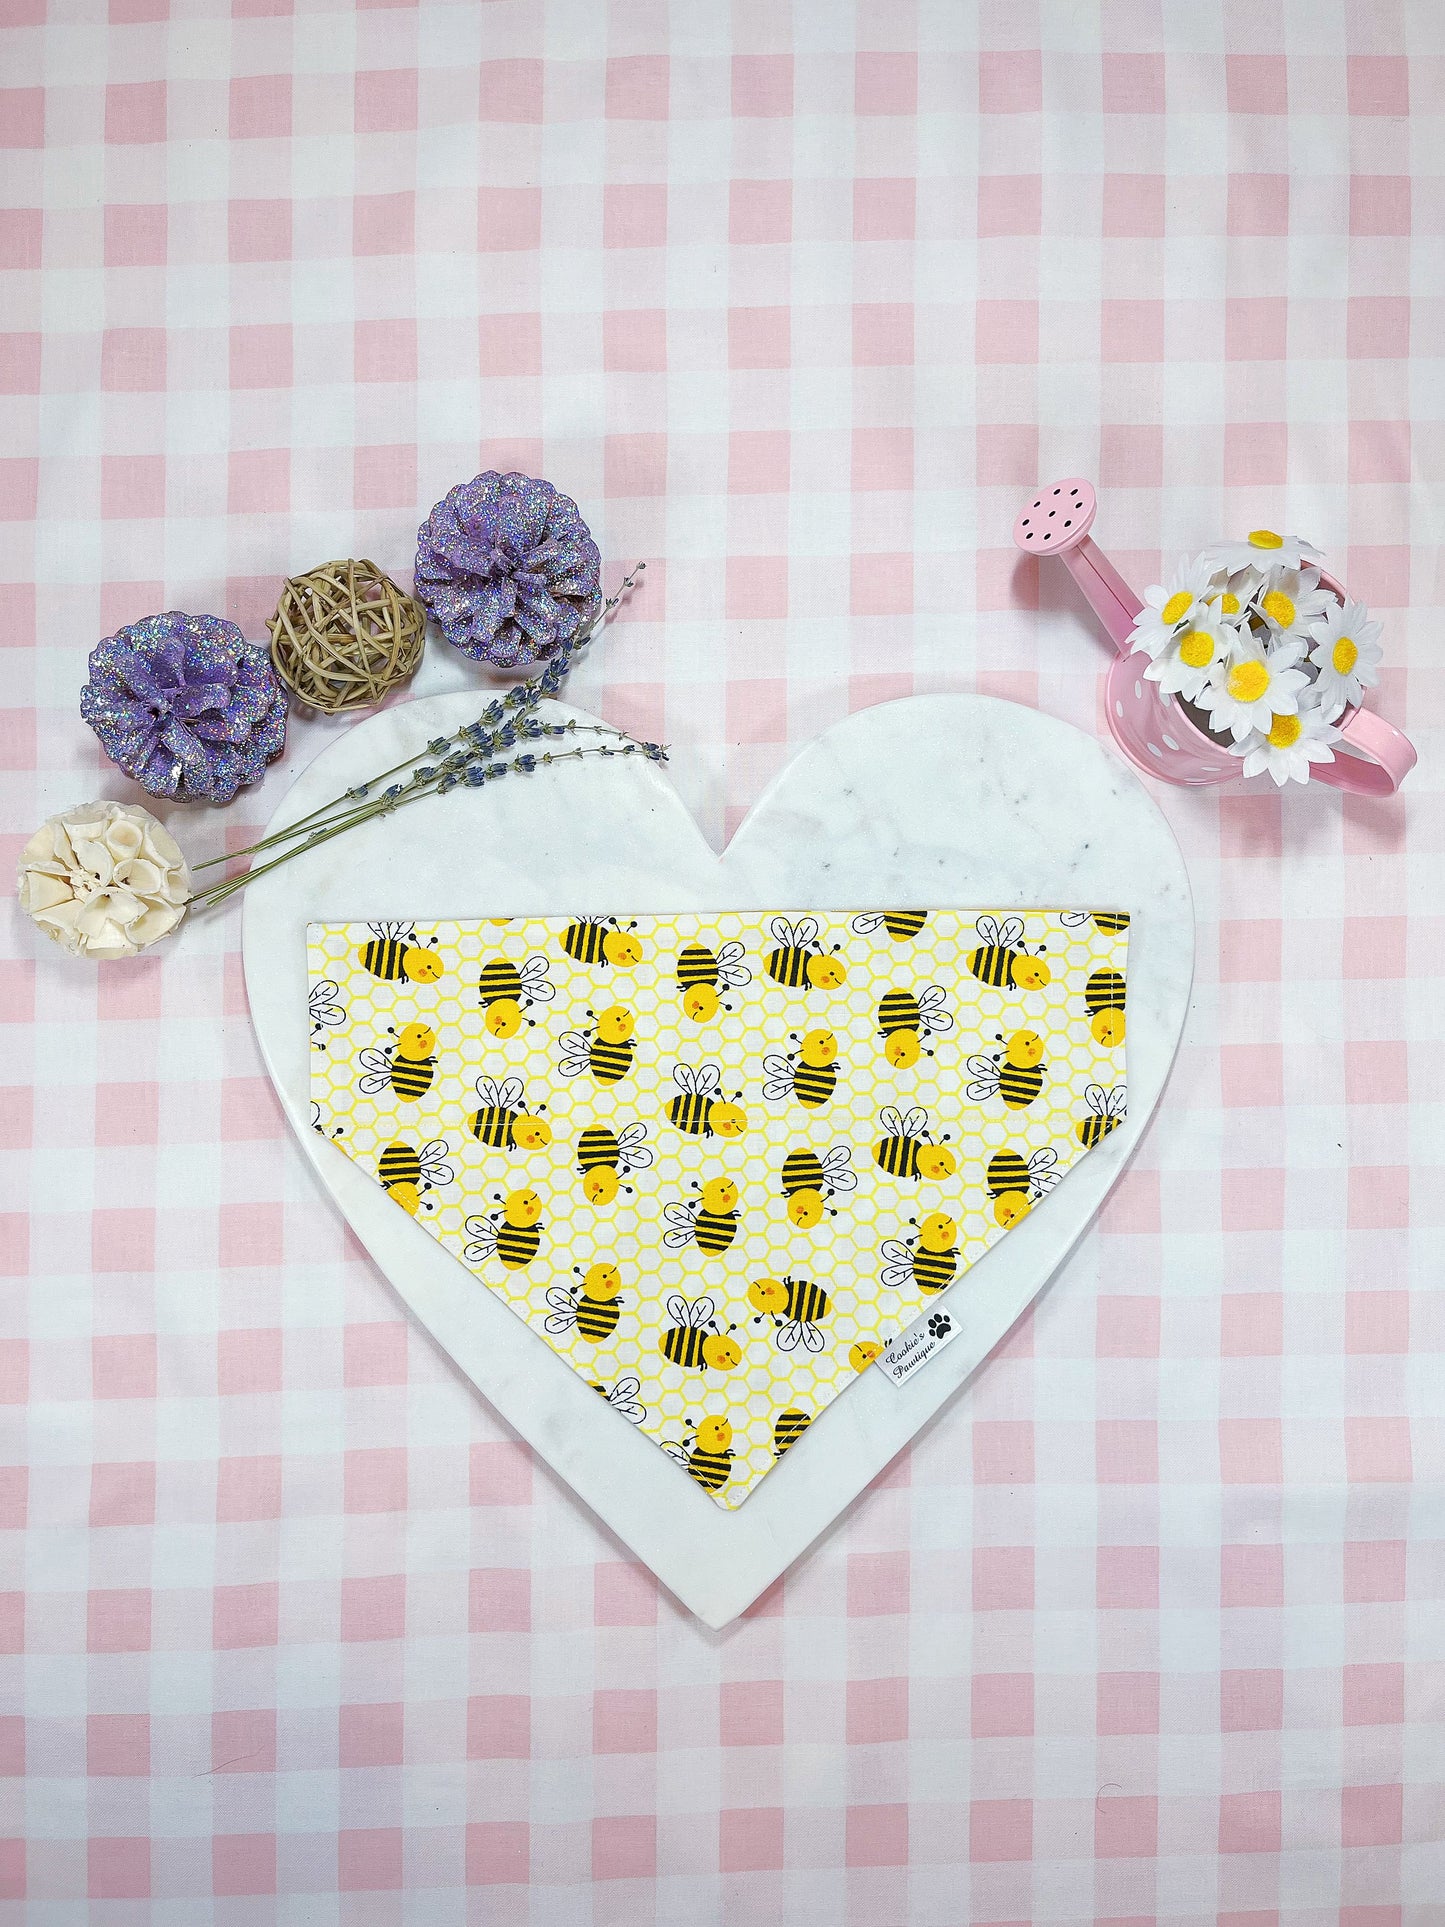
x=1057 y=522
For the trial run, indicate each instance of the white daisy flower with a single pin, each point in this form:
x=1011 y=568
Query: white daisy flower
x=1232 y=600
x=1258 y=685
x=1291 y=601
x=1262 y=549
x=1289 y=748
x=1184 y=666
x=1166 y=610
x=1346 y=655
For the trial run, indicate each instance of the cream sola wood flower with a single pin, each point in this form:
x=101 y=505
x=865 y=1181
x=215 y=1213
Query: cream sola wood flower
x=1168 y=607
x=1346 y=656
x=1290 y=747
x=1262 y=549
x=1259 y=684
x=104 y=880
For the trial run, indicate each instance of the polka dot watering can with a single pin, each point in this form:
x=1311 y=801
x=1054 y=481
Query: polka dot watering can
x=1156 y=731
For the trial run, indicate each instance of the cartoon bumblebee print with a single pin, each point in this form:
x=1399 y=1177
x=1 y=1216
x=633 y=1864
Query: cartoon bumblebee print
x=907 y=1150
x=1015 y=1073
x=324 y=1012
x=706 y=1452
x=407 y=1067
x=699 y=1108
x=809 y=1073
x=1001 y=959
x=901 y=925
x=393 y=954
x=591 y=1308
x=703 y=974
x=798 y=960
x=810 y=1181
x=513 y=1234
x=606 y=1047
x=502 y=1119
x=1016 y=1183
x=603 y=942
x=695 y=1340
x=508 y=991
x=906 y=1018
x=605 y=1156
x=928 y=1260
x=408 y=1174
x=718 y=1161
x=797 y=1309
x=622 y=1397
x=711 y=1223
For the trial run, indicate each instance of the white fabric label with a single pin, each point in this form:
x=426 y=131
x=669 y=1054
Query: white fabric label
x=917 y=1343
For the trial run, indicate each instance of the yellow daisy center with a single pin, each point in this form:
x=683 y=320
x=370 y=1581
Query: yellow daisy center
x=1265 y=539
x=1197 y=648
x=1248 y=681
x=1280 y=610
x=1229 y=603
x=1284 y=731
x=1174 y=608
x=1344 y=656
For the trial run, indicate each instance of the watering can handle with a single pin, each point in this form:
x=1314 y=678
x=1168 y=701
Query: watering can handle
x=1383 y=757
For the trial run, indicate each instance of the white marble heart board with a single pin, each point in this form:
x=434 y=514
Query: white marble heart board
x=938 y=801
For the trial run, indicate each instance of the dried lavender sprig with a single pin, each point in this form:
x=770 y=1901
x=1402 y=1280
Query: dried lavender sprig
x=489 y=743
x=518 y=702
x=398 y=795
x=423 y=780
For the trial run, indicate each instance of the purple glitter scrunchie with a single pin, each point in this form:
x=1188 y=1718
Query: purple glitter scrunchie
x=186 y=706
x=508 y=568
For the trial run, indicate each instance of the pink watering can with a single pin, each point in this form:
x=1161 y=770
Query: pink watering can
x=1155 y=732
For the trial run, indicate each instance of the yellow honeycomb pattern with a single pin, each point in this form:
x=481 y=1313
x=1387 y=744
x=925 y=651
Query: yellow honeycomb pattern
x=800 y=1128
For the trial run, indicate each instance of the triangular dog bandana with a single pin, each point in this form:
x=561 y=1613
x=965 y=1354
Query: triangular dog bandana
x=717 y=1161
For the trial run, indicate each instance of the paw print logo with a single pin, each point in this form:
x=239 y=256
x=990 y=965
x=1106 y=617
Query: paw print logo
x=939 y=1325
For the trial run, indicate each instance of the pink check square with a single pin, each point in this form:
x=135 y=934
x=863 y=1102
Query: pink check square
x=259 y=480
x=261 y=107
x=373 y=1608
x=1126 y=1826
x=876 y=1836
x=885 y=83
x=135 y=112
x=511 y=90
x=750 y=1712
x=634 y=214
x=1012 y=83
x=1002 y=1706
x=371 y=1735
x=762 y=86
x=750 y=1839
x=624 y=1847
x=498 y=1853
x=370 y=1859
x=242 y=1864
x=624 y=1720
x=499 y=1726
x=118 y=1869
x=760 y=211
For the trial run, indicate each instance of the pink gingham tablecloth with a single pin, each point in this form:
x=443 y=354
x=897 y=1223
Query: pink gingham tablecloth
x=799 y=302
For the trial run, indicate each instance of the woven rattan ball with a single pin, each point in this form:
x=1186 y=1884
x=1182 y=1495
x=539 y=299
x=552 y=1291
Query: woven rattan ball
x=344 y=634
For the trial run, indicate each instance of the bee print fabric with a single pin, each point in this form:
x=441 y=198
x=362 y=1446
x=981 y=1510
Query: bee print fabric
x=718 y=1161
